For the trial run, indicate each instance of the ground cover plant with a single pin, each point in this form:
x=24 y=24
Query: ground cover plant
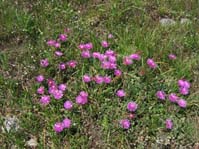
x=99 y=74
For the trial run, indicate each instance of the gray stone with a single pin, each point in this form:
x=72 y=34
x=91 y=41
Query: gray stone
x=185 y=21
x=32 y=142
x=10 y=123
x=167 y=22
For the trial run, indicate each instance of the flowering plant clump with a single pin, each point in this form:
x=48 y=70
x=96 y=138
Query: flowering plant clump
x=111 y=72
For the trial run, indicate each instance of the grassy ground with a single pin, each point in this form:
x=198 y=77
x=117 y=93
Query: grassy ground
x=26 y=25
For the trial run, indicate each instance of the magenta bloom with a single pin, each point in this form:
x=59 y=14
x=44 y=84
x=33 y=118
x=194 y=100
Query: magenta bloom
x=184 y=84
x=40 y=78
x=52 y=89
x=86 y=78
x=72 y=63
x=85 y=54
x=57 y=45
x=112 y=59
x=107 y=79
x=172 y=56
x=81 y=47
x=62 y=66
x=58 y=127
x=104 y=44
x=151 y=63
x=96 y=55
x=117 y=72
x=132 y=106
x=99 y=79
x=110 y=52
x=62 y=87
x=81 y=100
x=120 y=93
x=58 y=94
x=182 y=103
x=135 y=57
x=62 y=37
x=66 y=123
x=102 y=57
x=44 y=62
x=58 y=53
x=173 y=97
x=88 y=46
x=40 y=90
x=125 y=123
x=51 y=82
x=105 y=65
x=83 y=94
x=68 y=105
x=127 y=61
x=51 y=42
x=184 y=90
x=169 y=124
x=45 y=100
x=160 y=95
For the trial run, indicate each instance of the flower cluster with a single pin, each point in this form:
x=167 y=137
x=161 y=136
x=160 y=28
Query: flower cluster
x=60 y=126
x=108 y=59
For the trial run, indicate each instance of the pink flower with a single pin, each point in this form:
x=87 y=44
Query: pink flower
x=132 y=106
x=88 y=46
x=62 y=87
x=40 y=78
x=113 y=66
x=184 y=83
x=62 y=66
x=72 y=63
x=85 y=54
x=44 y=62
x=62 y=37
x=52 y=89
x=58 y=127
x=151 y=63
x=127 y=61
x=117 y=72
x=161 y=95
x=58 y=53
x=99 y=79
x=81 y=100
x=96 y=55
x=45 y=100
x=135 y=57
x=125 y=123
x=51 y=42
x=107 y=79
x=57 y=45
x=184 y=90
x=105 y=65
x=68 y=105
x=104 y=44
x=120 y=93
x=81 y=46
x=131 y=116
x=173 y=97
x=172 y=56
x=86 y=78
x=40 y=90
x=182 y=103
x=102 y=57
x=169 y=124
x=66 y=123
x=51 y=82
x=58 y=94
x=112 y=59
x=110 y=52
x=83 y=94
x=110 y=36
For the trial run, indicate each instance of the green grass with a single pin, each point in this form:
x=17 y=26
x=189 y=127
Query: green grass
x=26 y=26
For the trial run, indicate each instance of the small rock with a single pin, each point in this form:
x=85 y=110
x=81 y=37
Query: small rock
x=32 y=142
x=185 y=21
x=167 y=22
x=10 y=123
